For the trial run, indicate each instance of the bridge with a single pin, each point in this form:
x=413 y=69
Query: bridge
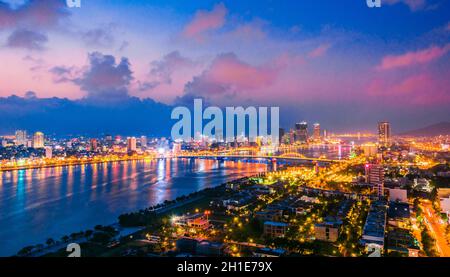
x=251 y=154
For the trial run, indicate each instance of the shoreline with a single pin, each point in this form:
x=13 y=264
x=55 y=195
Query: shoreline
x=160 y=209
x=28 y=167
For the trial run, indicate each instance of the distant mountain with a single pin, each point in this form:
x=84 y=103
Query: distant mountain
x=442 y=128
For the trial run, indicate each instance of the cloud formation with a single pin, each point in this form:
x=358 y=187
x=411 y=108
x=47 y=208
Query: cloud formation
x=27 y=39
x=33 y=14
x=228 y=76
x=163 y=69
x=205 y=21
x=413 y=57
x=319 y=51
x=98 y=37
x=105 y=80
x=414 y=5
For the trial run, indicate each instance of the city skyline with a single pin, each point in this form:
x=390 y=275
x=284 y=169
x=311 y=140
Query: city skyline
x=311 y=59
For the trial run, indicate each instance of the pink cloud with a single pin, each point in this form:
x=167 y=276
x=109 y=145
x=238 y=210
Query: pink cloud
x=420 y=89
x=33 y=14
x=205 y=21
x=228 y=76
x=414 y=5
x=319 y=51
x=413 y=58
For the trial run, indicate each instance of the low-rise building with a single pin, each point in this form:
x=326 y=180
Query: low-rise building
x=398 y=214
x=275 y=229
x=327 y=231
x=269 y=253
x=397 y=194
x=375 y=226
x=402 y=241
x=444 y=196
x=269 y=215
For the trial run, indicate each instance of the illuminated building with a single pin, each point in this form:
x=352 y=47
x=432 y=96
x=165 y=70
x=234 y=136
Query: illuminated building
x=21 y=137
x=301 y=132
x=48 y=152
x=375 y=177
x=369 y=149
x=93 y=144
x=275 y=229
x=374 y=173
x=38 y=140
x=316 y=131
x=176 y=148
x=327 y=231
x=384 y=133
x=109 y=139
x=131 y=144
x=143 y=141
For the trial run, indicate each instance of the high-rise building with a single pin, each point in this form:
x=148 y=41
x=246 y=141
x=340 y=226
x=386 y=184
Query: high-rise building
x=21 y=137
x=301 y=132
x=38 y=140
x=384 y=133
x=316 y=131
x=93 y=143
x=375 y=177
x=48 y=152
x=374 y=174
x=131 y=144
x=143 y=141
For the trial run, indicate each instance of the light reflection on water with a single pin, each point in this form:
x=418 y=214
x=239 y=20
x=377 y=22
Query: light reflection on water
x=41 y=203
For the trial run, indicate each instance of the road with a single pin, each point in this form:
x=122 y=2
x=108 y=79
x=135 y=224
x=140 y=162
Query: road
x=436 y=229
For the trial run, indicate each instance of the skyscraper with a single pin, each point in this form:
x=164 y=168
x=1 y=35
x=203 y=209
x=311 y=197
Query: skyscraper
x=384 y=133
x=38 y=140
x=21 y=137
x=301 y=132
x=131 y=144
x=316 y=131
x=143 y=141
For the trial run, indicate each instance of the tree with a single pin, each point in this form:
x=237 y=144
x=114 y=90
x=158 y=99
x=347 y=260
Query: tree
x=50 y=242
x=88 y=233
x=25 y=251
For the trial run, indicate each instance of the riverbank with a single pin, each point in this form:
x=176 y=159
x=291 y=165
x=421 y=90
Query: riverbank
x=78 y=162
x=123 y=227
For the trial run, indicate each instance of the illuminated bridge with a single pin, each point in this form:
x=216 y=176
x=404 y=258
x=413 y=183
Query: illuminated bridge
x=253 y=153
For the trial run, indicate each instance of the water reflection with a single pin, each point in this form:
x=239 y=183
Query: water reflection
x=37 y=204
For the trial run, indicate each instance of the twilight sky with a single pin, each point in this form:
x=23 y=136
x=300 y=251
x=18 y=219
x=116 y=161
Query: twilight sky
x=335 y=62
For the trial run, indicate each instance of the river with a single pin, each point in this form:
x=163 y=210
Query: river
x=38 y=204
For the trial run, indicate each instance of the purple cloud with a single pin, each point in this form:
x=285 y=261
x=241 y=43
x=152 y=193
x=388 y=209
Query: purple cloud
x=27 y=39
x=33 y=14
